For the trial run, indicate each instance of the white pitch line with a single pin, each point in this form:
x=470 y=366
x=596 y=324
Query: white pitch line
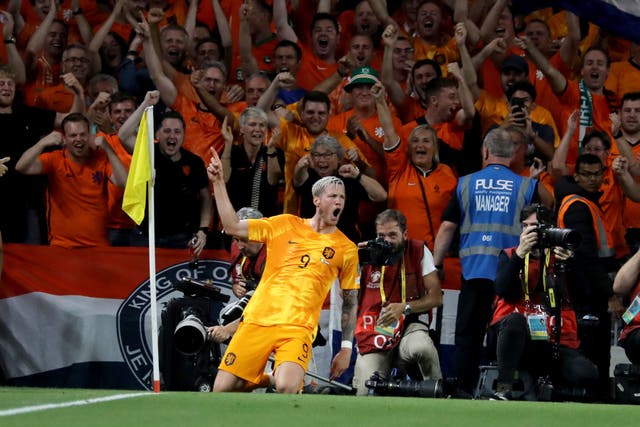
x=29 y=409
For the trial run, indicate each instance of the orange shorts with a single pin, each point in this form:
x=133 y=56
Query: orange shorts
x=251 y=345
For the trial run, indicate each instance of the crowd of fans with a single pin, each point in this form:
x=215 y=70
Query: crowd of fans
x=393 y=97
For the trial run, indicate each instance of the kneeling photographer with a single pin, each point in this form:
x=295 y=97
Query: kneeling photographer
x=195 y=324
x=531 y=296
x=247 y=264
x=398 y=282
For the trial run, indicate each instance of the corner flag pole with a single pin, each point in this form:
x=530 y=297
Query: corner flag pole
x=152 y=255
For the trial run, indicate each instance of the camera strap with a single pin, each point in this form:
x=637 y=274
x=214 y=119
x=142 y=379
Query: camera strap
x=403 y=281
x=426 y=203
x=525 y=279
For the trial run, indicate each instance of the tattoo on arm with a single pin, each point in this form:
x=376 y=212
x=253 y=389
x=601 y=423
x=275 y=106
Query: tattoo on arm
x=349 y=313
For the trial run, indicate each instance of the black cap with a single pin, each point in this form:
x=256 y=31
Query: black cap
x=515 y=62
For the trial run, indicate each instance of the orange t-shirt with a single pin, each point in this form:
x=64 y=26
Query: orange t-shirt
x=443 y=55
x=338 y=124
x=47 y=75
x=183 y=85
x=262 y=51
x=410 y=110
x=611 y=201
x=313 y=70
x=624 y=77
x=56 y=98
x=570 y=101
x=544 y=178
x=544 y=94
x=449 y=132
x=117 y=218
x=203 y=128
x=90 y=11
x=77 y=198
x=405 y=193
x=630 y=209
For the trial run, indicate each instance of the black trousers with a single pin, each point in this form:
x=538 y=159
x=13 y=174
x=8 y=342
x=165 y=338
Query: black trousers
x=474 y=312
x=631 y=346
x=516 y=350
x=595 y=343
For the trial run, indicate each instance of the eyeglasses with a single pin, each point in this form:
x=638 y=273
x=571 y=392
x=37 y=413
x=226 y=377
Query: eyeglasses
x=591 y=175
x=76 y=60
x=323 y=155
x=407 y=50
x=589 y=149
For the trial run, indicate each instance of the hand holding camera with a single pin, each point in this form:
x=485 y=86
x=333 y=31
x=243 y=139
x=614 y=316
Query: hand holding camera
x=528 y=240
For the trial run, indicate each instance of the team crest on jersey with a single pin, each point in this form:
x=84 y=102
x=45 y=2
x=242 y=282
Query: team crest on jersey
x=97 y=177
x=328 y=253
x=133 y=319
x=230 y=359
x=374 y=279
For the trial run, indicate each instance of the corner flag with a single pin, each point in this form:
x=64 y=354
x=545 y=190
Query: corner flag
x=135 y=192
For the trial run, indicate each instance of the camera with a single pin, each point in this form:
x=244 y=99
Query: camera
x=378 y=386
x=234 y=310
x=376 y=252
x=190 y=333
x=549 y=237
x=188 y=361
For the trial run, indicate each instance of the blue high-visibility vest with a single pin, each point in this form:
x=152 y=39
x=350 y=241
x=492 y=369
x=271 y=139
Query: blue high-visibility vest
x=490 y=202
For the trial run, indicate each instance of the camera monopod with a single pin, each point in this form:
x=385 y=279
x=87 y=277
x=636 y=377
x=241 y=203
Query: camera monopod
x=324 y=379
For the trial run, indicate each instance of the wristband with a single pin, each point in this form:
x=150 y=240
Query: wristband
x=272 y=155
x=359 y=176
x=78 y=11
x=10 y=40
x=205 y=230
x=274 y=107
x=347 y=344
x=438 y=267
x=132 y=53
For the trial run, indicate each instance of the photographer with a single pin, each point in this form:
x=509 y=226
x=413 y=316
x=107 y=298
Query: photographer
x=247 y=262
x=627 y=283
x=401 y=282
x=524 y=303
x=589 y=285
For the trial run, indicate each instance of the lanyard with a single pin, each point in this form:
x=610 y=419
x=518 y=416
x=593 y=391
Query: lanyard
x=241 y=272
x=545 y=266
x=403 y=279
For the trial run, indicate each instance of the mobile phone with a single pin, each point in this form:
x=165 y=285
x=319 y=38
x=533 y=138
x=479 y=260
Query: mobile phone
x=516 y=101
x=517 y=109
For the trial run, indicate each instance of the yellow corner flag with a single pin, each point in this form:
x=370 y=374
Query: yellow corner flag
x=135 y=192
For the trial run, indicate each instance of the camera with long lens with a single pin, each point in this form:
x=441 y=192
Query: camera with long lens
x=376 y=252
x=190 y=333
x=188 y=361
x=549 y=237
x=379 y=386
